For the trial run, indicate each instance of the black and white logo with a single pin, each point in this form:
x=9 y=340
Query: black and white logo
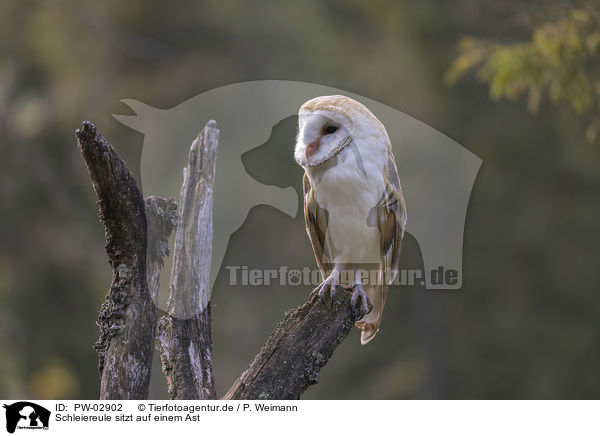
x=26 y=415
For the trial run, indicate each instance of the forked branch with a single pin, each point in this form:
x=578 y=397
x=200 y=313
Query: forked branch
x=286 y=365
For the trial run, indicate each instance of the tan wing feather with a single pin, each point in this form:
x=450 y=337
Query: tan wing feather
x=391 y=221
x=316 y=220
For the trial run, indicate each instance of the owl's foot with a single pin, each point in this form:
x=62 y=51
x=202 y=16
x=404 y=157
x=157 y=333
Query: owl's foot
x=328 y=288
x=360 y=302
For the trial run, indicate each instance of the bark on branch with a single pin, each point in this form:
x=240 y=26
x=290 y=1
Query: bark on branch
x=162 y=218
x=290 y=361
x=128 y=316
x=183 y=336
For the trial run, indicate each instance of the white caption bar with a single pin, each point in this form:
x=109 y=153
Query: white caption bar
x=297 y=417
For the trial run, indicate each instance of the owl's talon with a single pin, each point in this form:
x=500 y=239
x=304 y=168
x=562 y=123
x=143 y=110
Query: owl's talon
x=333 y=292
x=360 y=302
x=327 y=289
x=323 y=294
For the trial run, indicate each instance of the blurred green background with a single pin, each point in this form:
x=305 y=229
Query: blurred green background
x=525 y=324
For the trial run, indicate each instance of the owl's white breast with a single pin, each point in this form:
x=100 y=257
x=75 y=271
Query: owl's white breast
x=348 y=190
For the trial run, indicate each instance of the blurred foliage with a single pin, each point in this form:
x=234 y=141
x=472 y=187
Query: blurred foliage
x=54 y=381
x=561 y=60
x=525 y=324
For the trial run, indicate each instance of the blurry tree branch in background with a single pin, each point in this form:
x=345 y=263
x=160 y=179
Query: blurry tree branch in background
x=561 y=60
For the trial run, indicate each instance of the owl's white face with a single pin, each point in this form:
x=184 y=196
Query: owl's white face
x=318 y=138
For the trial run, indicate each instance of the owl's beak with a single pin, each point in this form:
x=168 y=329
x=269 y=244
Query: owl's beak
x=312 y=149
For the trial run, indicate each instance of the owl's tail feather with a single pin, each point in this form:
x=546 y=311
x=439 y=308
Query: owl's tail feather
x=369 y=330
x=370 y=323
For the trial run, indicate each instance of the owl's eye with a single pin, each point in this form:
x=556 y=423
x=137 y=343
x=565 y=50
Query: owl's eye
x=330 y=129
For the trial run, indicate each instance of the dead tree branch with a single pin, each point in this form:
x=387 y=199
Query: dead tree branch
x=183 y=336
x=290 y=361
x=128 y=316
x=162 y=218
x=286 y=365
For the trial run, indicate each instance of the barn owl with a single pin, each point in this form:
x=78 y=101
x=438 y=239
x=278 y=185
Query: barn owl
x=353 y=205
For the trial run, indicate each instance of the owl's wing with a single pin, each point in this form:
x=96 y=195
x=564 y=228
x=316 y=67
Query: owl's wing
x=391 y=220
x=316 y=219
